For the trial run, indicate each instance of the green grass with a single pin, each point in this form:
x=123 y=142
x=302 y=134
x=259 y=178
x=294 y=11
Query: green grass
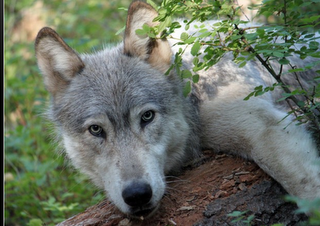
x=40 y=186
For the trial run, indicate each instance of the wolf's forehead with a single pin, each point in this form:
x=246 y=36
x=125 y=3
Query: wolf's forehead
x=119 y=85
x=120 y=82
x=112 y=70
x=119 y=77
x=106 y=62
x=113 y=65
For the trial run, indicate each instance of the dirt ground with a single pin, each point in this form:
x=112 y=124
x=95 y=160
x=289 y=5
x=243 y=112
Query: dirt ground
x=204 y=194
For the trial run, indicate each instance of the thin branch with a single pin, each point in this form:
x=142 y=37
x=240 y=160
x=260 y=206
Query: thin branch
x=305 y=110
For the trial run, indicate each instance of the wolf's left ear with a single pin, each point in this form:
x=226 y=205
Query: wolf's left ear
x=156 y=52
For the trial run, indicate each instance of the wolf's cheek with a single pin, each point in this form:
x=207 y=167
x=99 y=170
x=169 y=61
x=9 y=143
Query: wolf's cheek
x=82 y=157
x=175 y=135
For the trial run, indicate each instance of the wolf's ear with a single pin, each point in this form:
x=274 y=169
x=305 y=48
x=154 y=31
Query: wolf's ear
x=156 y=52
x=56 y=60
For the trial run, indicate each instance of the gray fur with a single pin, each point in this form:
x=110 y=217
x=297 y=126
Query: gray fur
x=114 y=88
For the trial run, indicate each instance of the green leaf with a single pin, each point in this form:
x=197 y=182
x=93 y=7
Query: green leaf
x=184 y=36
x=190 y=40
x=248 y=97
x=146 y=27
x=186 y=74
x=260 y=32
x=251 y=36
x=206 y=34
x=242 y=64
x=296 y=70
x=195 y=78
x=146 y=31
x=313 y=45
x=195 y=48
x=241 y=58
x=236 y=37
x=195 y=61
x=141 y=32
x=154 y=5
x=284 y=61
x=165 y=24
x=187 y=88
x=278 y=54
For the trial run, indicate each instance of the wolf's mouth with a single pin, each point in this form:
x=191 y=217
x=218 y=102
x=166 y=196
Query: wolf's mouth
x=144 y=213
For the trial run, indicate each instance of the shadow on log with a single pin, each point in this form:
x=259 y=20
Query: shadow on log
x=204 y=194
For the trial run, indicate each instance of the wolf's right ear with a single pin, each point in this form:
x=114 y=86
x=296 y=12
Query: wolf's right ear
x=56 y=60
x=155 y=51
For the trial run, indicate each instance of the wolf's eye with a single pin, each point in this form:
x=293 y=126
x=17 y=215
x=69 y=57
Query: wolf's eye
x=96 y=130
x=147 y=117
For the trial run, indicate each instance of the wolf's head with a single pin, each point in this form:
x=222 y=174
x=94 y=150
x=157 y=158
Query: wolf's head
x=122 y=121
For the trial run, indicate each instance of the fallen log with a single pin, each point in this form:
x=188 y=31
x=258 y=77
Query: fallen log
x=204 y=194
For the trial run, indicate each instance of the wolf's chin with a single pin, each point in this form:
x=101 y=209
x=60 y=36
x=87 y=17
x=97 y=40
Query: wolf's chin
x=144 y=213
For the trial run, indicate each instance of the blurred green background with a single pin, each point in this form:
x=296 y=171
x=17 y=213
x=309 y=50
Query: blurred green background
x=39 y=184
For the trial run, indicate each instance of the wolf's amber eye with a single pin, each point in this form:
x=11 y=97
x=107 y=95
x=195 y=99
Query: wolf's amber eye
x=96 y=130
x=147 y=117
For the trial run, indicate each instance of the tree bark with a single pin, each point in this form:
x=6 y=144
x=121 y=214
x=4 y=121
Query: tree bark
x=204 y=194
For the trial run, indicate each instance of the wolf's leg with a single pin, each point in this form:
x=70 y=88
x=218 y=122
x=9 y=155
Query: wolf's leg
x=254 y=129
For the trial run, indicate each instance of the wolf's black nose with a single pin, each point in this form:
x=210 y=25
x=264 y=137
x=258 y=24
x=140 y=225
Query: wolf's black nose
x=137 y=194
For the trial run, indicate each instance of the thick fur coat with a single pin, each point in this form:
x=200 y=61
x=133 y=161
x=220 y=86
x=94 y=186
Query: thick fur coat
x=126 y=125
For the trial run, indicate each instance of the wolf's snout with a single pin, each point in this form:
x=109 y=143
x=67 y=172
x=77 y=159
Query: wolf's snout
x=137 y=194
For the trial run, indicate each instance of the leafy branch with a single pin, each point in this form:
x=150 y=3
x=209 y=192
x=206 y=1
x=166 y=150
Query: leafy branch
x=271 y=45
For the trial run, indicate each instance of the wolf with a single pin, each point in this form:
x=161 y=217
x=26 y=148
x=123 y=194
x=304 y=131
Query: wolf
x=127 y=125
